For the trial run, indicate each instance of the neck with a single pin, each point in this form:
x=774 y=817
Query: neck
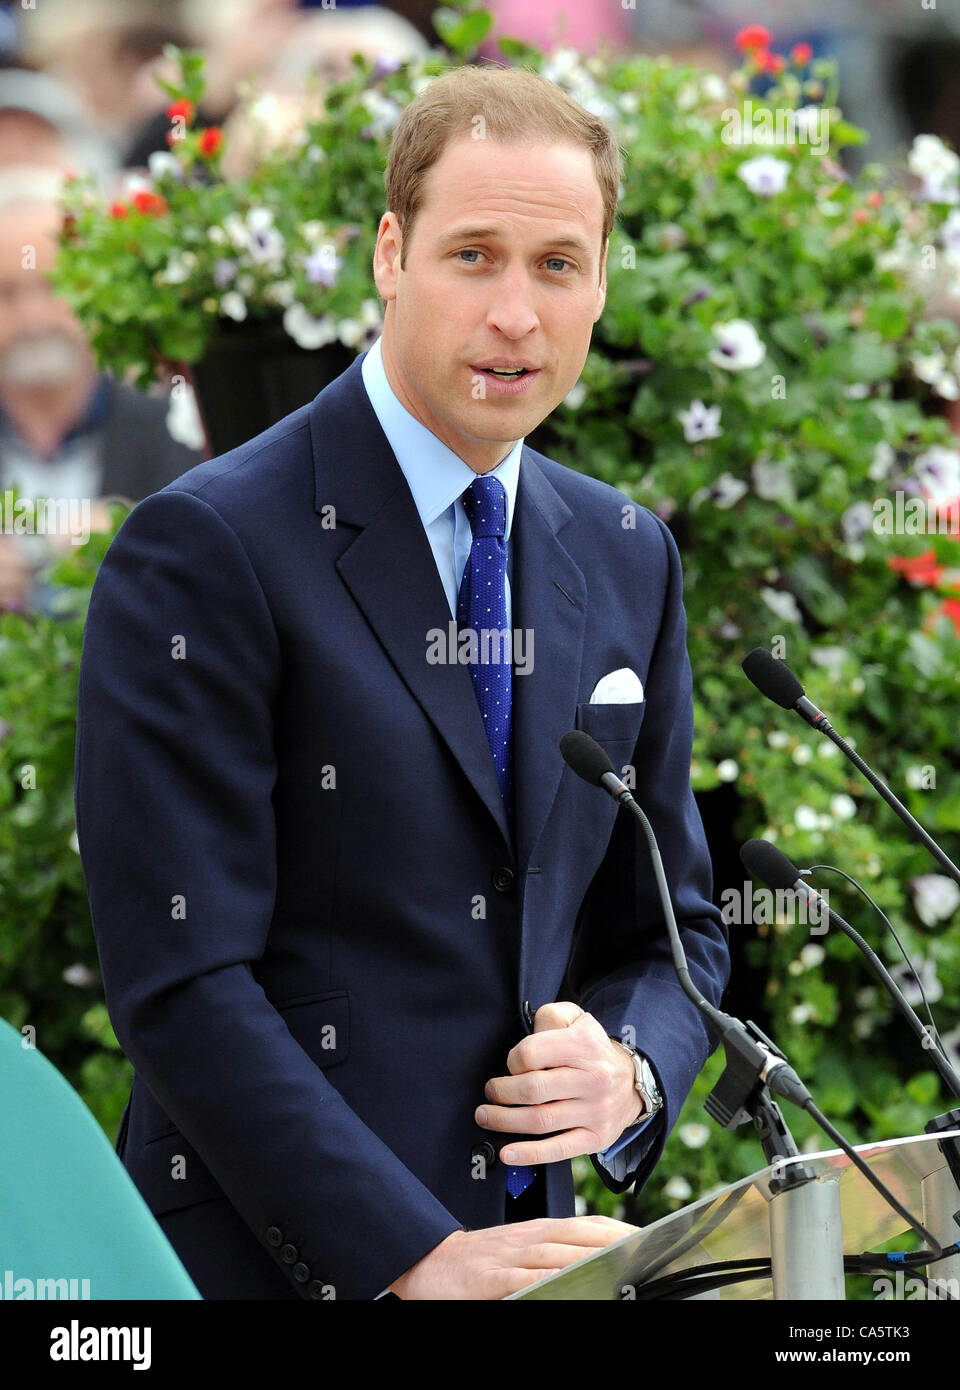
x=43 y=415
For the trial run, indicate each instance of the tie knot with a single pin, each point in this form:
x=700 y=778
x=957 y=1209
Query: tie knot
x=485 y=503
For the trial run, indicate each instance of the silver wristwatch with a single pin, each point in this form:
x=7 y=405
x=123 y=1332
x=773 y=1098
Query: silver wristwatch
x=646 y=1082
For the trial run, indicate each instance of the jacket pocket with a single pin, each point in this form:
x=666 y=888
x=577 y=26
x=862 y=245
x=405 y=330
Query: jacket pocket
x=612 y=723
x=169 y=1174
x=321 y=1025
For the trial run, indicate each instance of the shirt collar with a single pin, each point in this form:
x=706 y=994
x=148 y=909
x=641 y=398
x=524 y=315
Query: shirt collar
x=435 y=474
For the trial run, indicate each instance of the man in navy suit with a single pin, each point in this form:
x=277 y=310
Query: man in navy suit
x=383 y=964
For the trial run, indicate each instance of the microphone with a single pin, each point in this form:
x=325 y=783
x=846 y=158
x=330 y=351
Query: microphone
x=749 y=1051
x=754 y=1062
x=777 y=682
x=763 y=860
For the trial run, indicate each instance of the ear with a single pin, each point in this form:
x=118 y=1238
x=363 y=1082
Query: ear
x=602 y=287
x=386 y=256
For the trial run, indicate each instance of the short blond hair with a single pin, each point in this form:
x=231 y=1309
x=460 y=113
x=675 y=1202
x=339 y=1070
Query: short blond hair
x=515 y=103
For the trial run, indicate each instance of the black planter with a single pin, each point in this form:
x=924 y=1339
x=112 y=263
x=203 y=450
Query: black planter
x=253 y=374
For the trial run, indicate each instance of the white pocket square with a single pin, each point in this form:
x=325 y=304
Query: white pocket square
x=621 y=687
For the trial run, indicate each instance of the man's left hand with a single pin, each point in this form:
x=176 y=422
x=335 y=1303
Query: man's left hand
x=568 y=1075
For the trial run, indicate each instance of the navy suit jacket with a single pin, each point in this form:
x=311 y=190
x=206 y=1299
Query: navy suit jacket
x=316 y=933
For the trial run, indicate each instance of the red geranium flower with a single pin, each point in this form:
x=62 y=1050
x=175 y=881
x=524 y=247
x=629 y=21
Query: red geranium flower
x=875 y=199
x=950 y=608
x=752 y=36
x=183 y=107
x=148 y=202
x=774 y=62
x=211 y=140
x=118 y=210
x=919 y=569
x=801 y=53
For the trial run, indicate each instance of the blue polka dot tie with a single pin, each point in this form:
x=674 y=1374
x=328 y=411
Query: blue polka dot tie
x=482 y=604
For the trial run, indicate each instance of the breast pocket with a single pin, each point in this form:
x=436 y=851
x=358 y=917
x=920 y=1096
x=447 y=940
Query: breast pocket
x=615 y=727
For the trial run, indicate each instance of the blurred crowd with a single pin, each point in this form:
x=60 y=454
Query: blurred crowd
x=78 y=90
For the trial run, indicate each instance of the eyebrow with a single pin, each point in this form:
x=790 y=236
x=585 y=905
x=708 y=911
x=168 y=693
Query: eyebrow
x=484 y=233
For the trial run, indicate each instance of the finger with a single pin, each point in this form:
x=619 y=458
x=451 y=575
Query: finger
x=594 y=1231
x=533 y=1119
x=536 y=1087
x=508 y=1281
x=557 y=1047
x=571 y=1144
x=558 y=1015
x=549 y=1253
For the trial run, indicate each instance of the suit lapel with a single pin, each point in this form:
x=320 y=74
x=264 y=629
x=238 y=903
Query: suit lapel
x=390 y=571
x=549 y=596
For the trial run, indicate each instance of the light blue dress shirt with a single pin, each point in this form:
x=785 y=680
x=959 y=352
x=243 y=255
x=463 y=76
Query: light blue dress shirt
x=437 y=478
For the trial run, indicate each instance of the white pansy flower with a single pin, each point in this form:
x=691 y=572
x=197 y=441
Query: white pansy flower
x=576 y=396
x=765 y=174
x=161 y=163
x=778 y=738
x=727 y=770
x=305 y=330
x=713 y=86
x=883 y=461
x=739 y=346
x=234 y=306
x=927 y=153
x=802 y=754
x=938 y=473
x=811 y=955
x=783 y=603
x=805 y=818
x=183 y=417
x=801 y=1013
x=843 y=807
x=910 y=981
x=772 y=481
x=700 y=422
x=80 y=975
x=694 y=1135
x=935 y=898
x=677 y=1189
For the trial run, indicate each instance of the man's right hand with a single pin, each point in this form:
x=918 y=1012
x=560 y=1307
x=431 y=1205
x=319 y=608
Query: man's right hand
x=500 y=1260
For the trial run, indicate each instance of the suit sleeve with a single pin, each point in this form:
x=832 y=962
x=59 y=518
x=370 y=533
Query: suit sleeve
x=621 y=970
x=175 y=769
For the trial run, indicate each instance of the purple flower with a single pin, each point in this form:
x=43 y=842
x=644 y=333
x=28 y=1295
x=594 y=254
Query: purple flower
x=223 y=273
x=386 y=64
x=322 y=266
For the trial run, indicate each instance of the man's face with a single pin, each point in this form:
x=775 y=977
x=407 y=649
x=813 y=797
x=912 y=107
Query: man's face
x=503 y=263
x=41 y=342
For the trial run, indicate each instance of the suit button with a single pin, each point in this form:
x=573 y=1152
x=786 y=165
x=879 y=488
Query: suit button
x=300 y=1273
x=288 y=1254
x=485 y=1151
x=504 y=880
x=315 y=1288
x=274 y=1235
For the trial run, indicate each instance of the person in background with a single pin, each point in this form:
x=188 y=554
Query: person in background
x=67 y=430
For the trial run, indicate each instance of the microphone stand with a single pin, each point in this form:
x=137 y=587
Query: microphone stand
x=806 y=1233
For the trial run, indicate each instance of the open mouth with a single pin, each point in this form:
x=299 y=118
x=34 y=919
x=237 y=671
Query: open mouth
x=505 y=375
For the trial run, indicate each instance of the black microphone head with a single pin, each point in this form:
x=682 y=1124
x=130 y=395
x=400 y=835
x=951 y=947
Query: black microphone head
x=585 y=756
x=764 y=861
x=772 y=677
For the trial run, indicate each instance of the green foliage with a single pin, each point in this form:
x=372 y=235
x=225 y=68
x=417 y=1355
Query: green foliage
x=823 y=280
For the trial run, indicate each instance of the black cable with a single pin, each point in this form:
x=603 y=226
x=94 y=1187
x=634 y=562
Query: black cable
x=886 y=920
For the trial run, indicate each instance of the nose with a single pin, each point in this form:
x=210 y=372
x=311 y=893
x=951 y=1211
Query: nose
x=512 y=310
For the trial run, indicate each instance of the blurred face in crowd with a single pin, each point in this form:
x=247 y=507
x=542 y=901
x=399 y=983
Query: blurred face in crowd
x=502 y=265
x=41 y=343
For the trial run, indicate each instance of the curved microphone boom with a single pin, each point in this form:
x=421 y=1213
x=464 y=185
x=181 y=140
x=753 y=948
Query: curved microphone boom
x=777 y=682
